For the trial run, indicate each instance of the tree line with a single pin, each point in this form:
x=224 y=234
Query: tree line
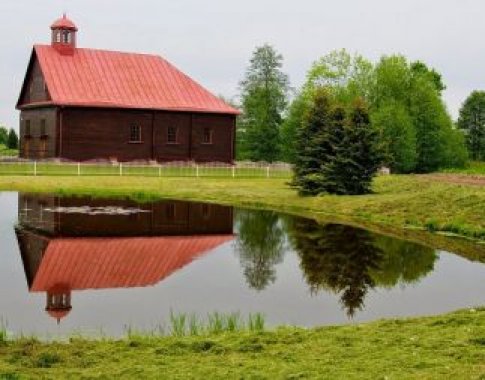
x=9 y=138
x=401 y=99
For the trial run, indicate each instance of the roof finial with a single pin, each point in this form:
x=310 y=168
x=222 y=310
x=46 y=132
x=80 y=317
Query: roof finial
x=64 y=15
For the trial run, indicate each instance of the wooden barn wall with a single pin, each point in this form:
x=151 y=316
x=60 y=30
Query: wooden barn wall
x=104 y=134
x=36 y=146
x=35 y=89
x=89 y=134
x=221 y=148
x=164 y=218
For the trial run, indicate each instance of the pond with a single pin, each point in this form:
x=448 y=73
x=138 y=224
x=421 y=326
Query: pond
x=74 y=264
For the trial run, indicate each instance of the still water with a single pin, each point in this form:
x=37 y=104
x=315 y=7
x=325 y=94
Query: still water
x=98 y=265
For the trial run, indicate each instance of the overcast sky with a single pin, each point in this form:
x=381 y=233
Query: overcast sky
x=212 y=40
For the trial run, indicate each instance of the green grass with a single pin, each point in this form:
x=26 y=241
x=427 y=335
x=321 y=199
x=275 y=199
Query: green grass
x=86 y=169
x=4 y=151
x=476 y=168
x=450 y=346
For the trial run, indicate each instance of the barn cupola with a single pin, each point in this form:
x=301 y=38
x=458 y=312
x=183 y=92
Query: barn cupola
x=58 y=302
x=64 y=35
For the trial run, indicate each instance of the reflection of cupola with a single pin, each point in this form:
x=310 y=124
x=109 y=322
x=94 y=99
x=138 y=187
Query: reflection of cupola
x=58 y=302
x=64 y=35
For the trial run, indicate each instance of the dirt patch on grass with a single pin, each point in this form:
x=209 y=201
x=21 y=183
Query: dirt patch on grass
x=459 y=179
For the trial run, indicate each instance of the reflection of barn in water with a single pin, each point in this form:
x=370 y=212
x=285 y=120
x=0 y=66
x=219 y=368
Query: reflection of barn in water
x=65 y=247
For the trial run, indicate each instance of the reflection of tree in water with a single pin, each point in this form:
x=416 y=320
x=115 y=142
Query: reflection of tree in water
x=350 y=261
x=259 y=246
x=404 y=262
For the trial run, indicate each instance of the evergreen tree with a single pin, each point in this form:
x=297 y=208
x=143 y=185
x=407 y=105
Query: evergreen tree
x=13 y=140
x=472 y=122
x=357 y=156
x=3 y=136
x=314 y=149
x=264 y=94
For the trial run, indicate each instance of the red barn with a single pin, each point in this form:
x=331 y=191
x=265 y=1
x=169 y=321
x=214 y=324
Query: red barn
x=85 y=104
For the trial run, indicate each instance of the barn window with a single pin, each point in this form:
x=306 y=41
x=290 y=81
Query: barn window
x=66 y=36
x=135 y=133
x=43 y=132
x=27 y=131
x=172 y=135
x=170 y=211
x=207 y=136
x=58 y=36
x=206 y=211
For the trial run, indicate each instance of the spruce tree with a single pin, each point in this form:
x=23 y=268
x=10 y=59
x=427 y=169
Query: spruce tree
x=313 y=145
x=357 y=156
x=12 y=140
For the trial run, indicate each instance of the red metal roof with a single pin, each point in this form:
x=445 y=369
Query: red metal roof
x=100 y=263
x=101 y=78
x=64 y=23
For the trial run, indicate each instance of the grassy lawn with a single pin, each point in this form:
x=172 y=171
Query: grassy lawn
x=451 y=346
x=476 y=168
x=169 y=170
x=4 y=151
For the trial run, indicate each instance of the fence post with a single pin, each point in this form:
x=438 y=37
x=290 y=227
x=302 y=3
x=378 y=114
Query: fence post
x=160 y=170
x=233 y=171
x=267 y=171
x=121 y=169
x=78 y=168
x=35 y=168
x=197 y=170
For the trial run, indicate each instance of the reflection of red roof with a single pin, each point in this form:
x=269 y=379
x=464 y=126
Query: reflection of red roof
x=101 y=78
x=98 y=263
x=63 y=23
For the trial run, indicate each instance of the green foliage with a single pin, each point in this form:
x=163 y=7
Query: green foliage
x=348 y=76
x=183 y=324
x=414 y=90
x=256 y=322
x=336 y=154
x=357 y=155
x=264 y=94
x=290 y=128
x=397 y=137
x=12 y=139
x=418 y=68
x=313 y=145
x=260 y=246
x=350 y=261
x=3 y=136
x=472 y=122
x=405 y=105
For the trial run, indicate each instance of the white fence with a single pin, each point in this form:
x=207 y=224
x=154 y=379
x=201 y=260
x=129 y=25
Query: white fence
x=151 y=169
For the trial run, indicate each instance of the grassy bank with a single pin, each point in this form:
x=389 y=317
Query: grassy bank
x=450 y=346
x=412 y=202
x=473 y=168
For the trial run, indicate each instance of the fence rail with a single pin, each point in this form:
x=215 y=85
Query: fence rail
x=167 y=169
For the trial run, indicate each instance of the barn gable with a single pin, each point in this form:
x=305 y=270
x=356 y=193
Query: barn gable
x=34 y=88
